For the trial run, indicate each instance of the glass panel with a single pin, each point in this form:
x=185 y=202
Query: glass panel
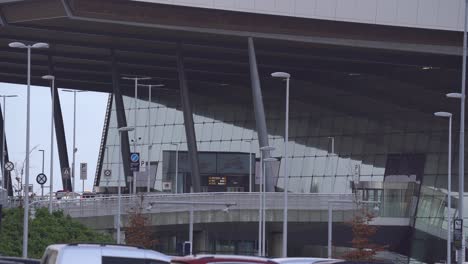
x=217 y=131
x=227 y=132
x=168 y=134
x=198 y=131
x=358 y=146
x=297 y=148
x=161 y=115
x=301 y=130
x=343 y=167
x=410 y=143
x=341 y=185
x=206 y=134
x=435 y=142
x=207 y=162
x=326 y=186
x=295 y=166
x=431 y=165
x=319 y=166
x=233 y=163
x=331 y=166
x=308 y=167
x=215 y=145
x=237 y=131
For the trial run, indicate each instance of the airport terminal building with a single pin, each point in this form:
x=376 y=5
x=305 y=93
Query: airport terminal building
x=366 y=78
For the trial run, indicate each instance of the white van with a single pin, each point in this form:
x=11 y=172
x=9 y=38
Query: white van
x=101 y=254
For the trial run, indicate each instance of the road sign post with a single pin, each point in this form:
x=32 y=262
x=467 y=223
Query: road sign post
x=9 y=166
x=66 y=176
x=134 y=167
x=41 y=179
x=135 y=161
x=83 y=172
x=457 y=233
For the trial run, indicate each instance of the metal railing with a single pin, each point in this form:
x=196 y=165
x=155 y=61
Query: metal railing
x=155 y=203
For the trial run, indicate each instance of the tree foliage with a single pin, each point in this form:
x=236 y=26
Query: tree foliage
x=44 y=229
x=364 y=249
x=138 y=232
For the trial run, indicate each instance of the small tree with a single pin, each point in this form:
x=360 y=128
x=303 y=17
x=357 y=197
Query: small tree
x=44 y=229
x=138 y=232
x=364 y=249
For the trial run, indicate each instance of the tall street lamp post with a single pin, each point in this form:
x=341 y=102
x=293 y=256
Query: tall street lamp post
x=265 y=160
x=176 y=166
x=449 y=183
x=461 y=162
x=250 y=165
x=3 y=134
x=136 y=79
x=261 y=187
x=51 y=182
x=150 y=88
x=285 y=76
x=20 y=45
x=74 y=189
x=461 y=155
x=119 y=193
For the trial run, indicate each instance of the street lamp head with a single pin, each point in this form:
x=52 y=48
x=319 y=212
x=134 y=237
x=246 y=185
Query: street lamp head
x=48 y=77
x=136 y=78
x=40 y=45
x=283 y=75
x=442 y=114
x=267 y=148
x=454 y=95
x=17 y=45
x=152 y=85
x=126 y=129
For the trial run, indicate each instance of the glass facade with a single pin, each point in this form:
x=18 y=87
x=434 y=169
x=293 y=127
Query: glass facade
x=392 y=154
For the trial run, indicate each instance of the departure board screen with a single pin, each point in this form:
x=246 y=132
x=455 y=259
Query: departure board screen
x=217 y=180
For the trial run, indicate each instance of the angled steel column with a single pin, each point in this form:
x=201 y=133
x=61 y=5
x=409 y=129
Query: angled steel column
x=60 y=131
x=5 y=174
x=188 y=122
x=259 y=110
x=121 y=119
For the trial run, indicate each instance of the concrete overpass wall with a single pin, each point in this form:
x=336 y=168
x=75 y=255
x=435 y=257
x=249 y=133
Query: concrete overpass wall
x=432 y=14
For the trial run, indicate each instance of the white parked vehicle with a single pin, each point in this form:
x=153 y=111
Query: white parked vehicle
x=306 y=260
x=101 y=254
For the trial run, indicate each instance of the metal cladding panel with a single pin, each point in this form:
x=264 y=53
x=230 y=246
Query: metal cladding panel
x=432 y=14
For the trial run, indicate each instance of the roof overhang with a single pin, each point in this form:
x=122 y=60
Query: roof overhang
x=337 y=59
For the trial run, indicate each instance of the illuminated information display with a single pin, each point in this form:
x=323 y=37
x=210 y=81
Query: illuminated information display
x=217 y=180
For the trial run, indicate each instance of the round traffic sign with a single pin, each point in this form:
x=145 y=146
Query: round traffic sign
x=107 y=173
x=41 y=178
x=9 y=166
x=135 y=157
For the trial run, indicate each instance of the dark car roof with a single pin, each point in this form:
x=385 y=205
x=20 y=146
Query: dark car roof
x=19 y=260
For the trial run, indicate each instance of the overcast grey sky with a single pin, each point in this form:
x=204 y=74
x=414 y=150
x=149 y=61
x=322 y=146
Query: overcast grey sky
x=91 y=109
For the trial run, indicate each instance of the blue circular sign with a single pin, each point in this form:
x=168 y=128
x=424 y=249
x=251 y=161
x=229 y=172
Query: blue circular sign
x=135 y=157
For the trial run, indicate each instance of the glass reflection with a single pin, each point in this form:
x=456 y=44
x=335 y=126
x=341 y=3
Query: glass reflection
x=362 y=146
